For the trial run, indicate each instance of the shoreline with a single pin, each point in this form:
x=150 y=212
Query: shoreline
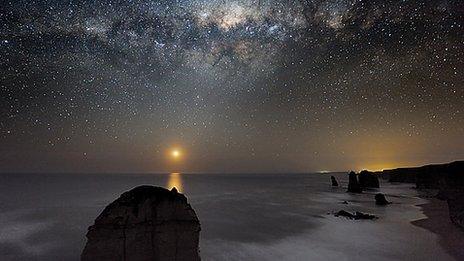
x=437 y=221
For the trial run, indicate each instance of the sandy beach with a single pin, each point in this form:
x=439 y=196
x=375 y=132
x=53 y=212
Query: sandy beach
x=438 y=221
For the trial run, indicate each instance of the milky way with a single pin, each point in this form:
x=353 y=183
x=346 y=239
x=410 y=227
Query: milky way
x=239 y=85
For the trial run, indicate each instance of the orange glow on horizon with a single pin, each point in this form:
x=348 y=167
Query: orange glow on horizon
x=386 y=166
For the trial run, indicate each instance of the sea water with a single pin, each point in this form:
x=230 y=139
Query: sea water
x=243 y=216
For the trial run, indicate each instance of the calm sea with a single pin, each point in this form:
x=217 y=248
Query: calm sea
x=243 y=217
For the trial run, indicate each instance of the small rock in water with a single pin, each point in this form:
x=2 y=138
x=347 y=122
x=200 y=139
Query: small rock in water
x=356 y=215
x=381 y=200
x=334 y=181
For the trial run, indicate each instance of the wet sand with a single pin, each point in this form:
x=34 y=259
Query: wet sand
x=450 y=237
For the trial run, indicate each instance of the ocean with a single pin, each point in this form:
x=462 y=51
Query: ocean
x=243 y=216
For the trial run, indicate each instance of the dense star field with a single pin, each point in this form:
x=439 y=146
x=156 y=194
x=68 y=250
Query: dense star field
x=238 y=86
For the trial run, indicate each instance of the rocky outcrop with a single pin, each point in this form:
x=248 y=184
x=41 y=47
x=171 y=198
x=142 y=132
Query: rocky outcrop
x=381 y=200
x=368 y=179
x=353 y=184
x=145 y=223
x=356 y=215
x=334 y=181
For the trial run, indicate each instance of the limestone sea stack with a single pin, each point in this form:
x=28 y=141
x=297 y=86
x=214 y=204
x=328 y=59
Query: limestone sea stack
x=145 y=223
x=353 y=184
x=368 y=179
x=334 y=181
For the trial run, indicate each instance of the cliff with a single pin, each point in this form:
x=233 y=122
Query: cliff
x=448 y=179
x=145 y=223
x=429 y=176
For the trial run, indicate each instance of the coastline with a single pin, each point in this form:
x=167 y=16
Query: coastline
x=437 y=221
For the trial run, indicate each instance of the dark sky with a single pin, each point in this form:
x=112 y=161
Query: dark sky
x=236 y=86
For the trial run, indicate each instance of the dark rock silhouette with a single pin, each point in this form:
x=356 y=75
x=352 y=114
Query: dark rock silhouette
x=356 y=215
x=368 y=179
x=334 y=181
x=448 y=179
x=428 y=176
x=381 y=200
x=353 y=184
x=145 y=223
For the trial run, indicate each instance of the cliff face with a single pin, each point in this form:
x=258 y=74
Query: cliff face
x=447 y=178
x=430 y=176
x=455 y=199
x=145 y=223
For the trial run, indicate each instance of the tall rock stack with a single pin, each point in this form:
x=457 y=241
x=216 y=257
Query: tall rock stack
x=334 y=181
x=368 y=179
x=145 y=223
x=353 y=184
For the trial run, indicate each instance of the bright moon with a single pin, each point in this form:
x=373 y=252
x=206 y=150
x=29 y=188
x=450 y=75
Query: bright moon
x=175 y=154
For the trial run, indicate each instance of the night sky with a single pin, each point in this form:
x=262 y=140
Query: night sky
x=234 y=86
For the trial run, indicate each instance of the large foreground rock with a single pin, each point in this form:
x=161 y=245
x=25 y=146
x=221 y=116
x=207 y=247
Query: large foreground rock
x=145 y=223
